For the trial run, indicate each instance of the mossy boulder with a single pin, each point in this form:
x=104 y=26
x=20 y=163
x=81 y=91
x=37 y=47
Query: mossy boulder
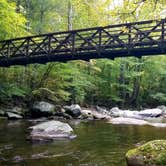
x=152 y=153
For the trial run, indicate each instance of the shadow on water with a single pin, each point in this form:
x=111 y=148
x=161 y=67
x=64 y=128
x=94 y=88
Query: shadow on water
x=97 y=144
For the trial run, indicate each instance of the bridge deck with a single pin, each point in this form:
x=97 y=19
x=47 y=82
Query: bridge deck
x=131 y=39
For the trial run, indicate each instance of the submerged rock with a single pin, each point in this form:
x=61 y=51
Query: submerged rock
x=51 y=130
x=42 y=109
x=152 y=153
x=74 y=110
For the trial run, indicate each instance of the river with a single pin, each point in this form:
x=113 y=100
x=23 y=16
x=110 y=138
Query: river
x=97 y=144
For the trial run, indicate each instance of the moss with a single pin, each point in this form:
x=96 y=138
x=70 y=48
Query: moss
x=152 y=153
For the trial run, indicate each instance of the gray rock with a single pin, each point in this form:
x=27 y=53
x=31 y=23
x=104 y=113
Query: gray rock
x=129 y=121
x=13 y=116
x=116 y=112
x=51 y=130
x=42 y=109
x=162 y=107
x=17 y=110
x=2 y=113
x=158 y=124
x=148 y=113
x=132 y=121
x=74 y=110
x=151 y=112
x=101 y=110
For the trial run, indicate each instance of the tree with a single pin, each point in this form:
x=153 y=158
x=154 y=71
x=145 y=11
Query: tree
x=12 y=24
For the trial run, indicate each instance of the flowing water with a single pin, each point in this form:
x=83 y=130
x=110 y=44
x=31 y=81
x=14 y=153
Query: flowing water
x=97 y=144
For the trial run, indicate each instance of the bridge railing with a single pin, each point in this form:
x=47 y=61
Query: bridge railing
x=130 y=36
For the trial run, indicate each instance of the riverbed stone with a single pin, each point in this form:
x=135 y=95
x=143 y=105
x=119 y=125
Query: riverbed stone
x=51 y=130
x=152 y=153
x=101 y=110
x=16 y=110
x=147 y=113
x=13 y=116
x=74 y=110
x=2 y=113
x=156 y=112
x=129 y=121
x=42 y=109
x=163 y=108
x=132 y=121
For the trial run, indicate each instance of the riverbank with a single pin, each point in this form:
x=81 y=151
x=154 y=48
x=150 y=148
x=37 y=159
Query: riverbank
x=42 y=109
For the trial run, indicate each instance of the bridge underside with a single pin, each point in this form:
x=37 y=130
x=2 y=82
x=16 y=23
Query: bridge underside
x=43 y=59
x=132 y=39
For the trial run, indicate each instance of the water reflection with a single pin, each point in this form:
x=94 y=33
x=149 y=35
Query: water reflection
x=97 y=144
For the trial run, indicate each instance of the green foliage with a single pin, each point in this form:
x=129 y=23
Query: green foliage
x=124 y=81
x=11 y=90
x=12 y=24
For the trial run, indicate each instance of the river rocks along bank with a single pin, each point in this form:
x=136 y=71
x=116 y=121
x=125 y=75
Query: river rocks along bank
x=44 y=109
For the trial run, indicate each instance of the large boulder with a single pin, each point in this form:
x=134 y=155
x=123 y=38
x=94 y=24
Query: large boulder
x=152 y=153
x=13 y=116
x=42 y=109
x=74 y=110
x=51 y=130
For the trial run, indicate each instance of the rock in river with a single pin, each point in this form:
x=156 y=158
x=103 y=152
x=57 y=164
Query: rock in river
x=152 y=153
x=74 y=110
x=132 y=121
x=156 y=112
x=42 y=109
x=51 y=130
x=13 y=116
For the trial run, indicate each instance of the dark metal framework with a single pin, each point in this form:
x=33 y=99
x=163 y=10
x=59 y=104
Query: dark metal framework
x=130 y=39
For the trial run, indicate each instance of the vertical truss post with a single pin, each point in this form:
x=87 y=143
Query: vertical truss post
x=162 y=34
x=100 y=41
x=8 y=52
x=27 y=47
x=73 y=44
x=163 y=29
x=49 y=43
x=129 y=38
